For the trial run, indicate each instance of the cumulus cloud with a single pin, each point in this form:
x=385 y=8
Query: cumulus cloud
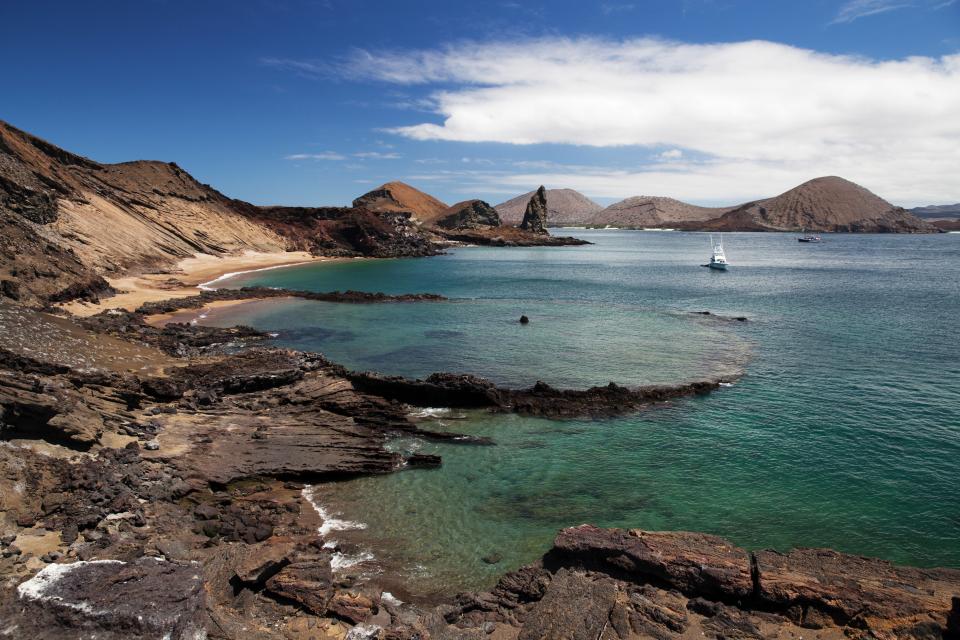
x=326 y=155
x=778 y=113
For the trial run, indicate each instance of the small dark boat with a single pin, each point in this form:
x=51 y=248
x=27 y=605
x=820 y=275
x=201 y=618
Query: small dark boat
x=806 y=238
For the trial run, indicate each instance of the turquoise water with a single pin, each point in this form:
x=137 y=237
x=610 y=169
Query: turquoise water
x=844 y=431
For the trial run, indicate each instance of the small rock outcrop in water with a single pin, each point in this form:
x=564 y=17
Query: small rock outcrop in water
x=564 y=207
x=524 y=320
x=535 y=217
x=470 y=214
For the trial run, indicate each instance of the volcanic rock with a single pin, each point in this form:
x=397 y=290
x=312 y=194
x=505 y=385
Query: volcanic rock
x=467 y=391
x=690 y=562
x=652 y=211
x=38 y=406
x=823 y=204
x=535 y=216
x=611 y=583
x=111 y=599
x=67 y=221
x=398 y=197
x=306 y=581
x=564 y=207
x=947 y=225
x=469 y=214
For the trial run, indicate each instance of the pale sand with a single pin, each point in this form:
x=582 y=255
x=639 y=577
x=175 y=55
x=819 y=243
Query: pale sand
x=185 y=278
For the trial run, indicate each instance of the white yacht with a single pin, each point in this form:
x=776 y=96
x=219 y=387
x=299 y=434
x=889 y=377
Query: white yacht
x=718 y=260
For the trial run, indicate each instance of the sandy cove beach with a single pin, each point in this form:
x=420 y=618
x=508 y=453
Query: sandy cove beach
x=187 y=276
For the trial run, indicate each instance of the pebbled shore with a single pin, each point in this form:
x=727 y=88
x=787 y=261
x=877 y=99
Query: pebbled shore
x=167 y=469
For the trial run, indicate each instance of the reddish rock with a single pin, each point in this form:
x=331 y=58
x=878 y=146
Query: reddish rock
x=306 y=581
x=694 y=563
x=856 y=591
x=353 y=607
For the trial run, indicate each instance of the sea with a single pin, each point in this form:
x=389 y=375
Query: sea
x=839 y=426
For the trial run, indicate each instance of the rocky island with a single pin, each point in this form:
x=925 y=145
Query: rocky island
x=153 y=476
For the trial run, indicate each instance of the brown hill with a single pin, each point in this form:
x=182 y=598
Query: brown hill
x=564 y=207
x=66 y=221
x=653 y=211
x=822 y=204
x=397 y=197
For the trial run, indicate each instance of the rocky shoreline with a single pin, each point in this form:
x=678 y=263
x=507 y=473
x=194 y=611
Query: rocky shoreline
x=169 y=502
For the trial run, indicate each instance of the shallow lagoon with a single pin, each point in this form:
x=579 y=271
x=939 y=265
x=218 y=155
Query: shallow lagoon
x=844 y=432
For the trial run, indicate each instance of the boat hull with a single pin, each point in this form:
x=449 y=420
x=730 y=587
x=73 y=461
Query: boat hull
x=718 y=266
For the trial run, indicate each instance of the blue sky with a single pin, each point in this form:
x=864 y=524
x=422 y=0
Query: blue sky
x=316 y=101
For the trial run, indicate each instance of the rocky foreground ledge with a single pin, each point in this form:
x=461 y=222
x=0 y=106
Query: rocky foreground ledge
x=606 y=584
x=153 y=485
x=618 y=584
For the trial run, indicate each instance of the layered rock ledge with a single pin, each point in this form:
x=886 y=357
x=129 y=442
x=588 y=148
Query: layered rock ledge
x=620 y=584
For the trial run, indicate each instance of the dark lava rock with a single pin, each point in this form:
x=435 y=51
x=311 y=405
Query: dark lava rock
x=535 y=217
x=467 y=391
x=524 y=320
x=110 y=599
x=472 y=214
x=9 y=289
x=953 y=620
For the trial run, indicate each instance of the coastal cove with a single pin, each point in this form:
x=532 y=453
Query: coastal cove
x=842 y=433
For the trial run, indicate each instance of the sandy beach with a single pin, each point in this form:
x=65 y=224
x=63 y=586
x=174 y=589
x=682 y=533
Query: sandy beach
x=187 y=276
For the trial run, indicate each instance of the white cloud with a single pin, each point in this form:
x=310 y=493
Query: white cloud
x=767 y=116
x=671 y=154
x=326 y=155
x=377 y=155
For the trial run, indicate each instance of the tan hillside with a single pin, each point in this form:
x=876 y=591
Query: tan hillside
x=396 y=197
x=70 y=220
x=66 y=222
x=653 y=211
x=824 y=204
x=564 y=207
